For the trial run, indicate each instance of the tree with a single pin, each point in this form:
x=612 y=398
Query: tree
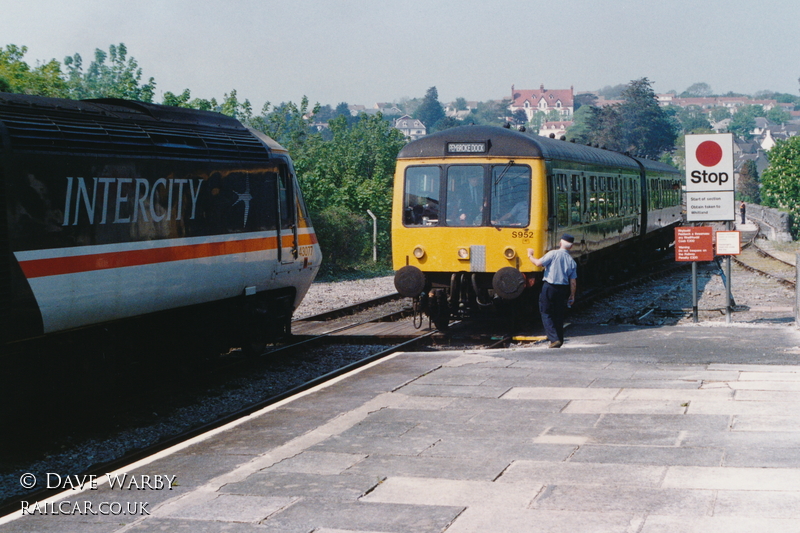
x=719 y=113
x=447 y=123
x=430 y=111
x=781 y=180
x=584 y=99
x=489 y=113
x=645 y=128
x=324 y=114
x=231 y=106
x=697 y=90
x=581 y=129
x=778 y=115
x=744 y=120
x=748 y=184
x=288 y=124
x=184 y=100
x=17 y=76
x=460 y=104
x=519 y=117
x=119 y=79
x=692 y=119
x=638 y=125
x=612 y=93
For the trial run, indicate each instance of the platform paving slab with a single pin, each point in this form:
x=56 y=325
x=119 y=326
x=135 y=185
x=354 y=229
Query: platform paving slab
x=623 y=429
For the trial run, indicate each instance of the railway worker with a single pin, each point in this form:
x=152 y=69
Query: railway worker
x=742 y=211
x=558 y=291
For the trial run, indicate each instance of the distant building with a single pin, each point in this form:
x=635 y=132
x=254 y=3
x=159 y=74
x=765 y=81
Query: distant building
x=557 y=129
x=544 y=100
x=412 y=128
x=460 y=114
x=388 y=110
x=356 y=109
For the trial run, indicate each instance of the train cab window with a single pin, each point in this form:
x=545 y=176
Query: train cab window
x=511 y=195
x=285 y=198
x=421 y=196
x=466 y=197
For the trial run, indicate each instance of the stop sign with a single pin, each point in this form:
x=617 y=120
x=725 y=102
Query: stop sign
x=709 y=162
x=709 y=177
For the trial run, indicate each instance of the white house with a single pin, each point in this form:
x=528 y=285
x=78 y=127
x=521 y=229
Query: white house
x=412 y=128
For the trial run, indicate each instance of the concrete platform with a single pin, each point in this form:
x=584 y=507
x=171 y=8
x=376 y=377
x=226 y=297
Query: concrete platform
x=624 y=429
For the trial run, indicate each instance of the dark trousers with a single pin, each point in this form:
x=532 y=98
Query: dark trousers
x=553 y=308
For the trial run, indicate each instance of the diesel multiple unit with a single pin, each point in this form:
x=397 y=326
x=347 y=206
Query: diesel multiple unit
x=469 y=201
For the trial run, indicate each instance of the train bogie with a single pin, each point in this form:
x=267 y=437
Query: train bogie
x=118 y=209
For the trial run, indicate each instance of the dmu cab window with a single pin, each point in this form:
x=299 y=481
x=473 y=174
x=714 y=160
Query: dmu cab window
x=421 y=196
x=511 y=195
x=466 y=197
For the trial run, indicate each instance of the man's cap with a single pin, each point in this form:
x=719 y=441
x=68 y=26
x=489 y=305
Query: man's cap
x=567 y=237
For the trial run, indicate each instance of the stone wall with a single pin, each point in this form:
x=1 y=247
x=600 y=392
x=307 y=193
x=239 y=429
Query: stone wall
x=774 y=224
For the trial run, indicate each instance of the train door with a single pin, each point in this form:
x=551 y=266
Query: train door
x=287 y=221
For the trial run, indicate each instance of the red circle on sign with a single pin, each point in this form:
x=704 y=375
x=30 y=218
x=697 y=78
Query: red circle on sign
x=709 y=153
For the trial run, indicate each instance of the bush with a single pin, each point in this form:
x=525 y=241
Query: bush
x=346 y=242
x=343 y=236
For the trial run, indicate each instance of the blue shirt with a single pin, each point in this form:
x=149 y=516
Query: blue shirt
x=559 y=267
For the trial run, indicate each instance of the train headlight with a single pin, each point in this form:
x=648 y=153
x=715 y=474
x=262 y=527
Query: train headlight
x=419 y=252
x=463 y=253
x=509 y=253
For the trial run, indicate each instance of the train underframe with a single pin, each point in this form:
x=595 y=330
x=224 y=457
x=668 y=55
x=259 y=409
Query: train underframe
x=446 y=296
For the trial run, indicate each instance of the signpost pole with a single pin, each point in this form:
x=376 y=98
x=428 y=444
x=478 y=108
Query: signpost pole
x=694 y=291
x=797 y=289
x=728 y=296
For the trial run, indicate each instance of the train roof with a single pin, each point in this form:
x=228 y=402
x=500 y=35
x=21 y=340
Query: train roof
x=503 y=142
x=34 y=124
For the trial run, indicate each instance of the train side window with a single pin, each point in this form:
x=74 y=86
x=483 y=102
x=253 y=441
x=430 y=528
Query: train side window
x=511 y=195
x=562 y=200
x=594 y=201
x=421 y=196
x=614 y=202
x=575 y=200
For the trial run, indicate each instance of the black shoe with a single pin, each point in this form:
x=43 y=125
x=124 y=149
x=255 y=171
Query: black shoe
x=555 y=344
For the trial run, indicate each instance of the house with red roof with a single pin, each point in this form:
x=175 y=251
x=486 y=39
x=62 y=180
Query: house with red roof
x=544 y=100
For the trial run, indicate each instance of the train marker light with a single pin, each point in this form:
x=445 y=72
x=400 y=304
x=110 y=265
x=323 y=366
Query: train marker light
x=463 y=253
x=419 y=252
x=509 y=253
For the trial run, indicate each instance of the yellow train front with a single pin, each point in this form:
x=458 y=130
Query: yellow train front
x=469 y=202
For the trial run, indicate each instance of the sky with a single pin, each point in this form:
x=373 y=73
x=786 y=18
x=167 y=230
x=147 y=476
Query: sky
x=368 y=51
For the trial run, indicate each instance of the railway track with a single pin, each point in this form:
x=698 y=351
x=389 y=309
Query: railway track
x=755 y=259
x=306 y=357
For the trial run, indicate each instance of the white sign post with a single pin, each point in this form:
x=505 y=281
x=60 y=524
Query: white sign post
x=710 y=187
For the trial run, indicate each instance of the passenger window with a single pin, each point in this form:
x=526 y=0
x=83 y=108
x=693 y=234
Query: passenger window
x=575 y=200
x=421 y=196
x=511 y=195
x=562 y=200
